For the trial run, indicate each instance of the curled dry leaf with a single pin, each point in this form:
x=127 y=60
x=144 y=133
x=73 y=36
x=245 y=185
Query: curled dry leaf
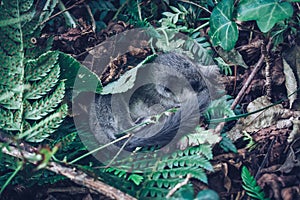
x=290 y=82
x=259 y=120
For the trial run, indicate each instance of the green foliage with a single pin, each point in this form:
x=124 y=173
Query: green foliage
x=187 y=193
x=77 y=77
x=176 y=22
x=219 y=108
x=225 y=68
x=130 y=11
x=135 y=178
x=33 y=109
x=31 y=86
x=226 y=144
x=9 y=167
x=223 y=30
x=101 y=9
x=266 y=13
x=198 y=137
x=251 y=143
x=139 y=13
x=159 y=173
x=250 y=185
x=34 y=80
x=43 y=177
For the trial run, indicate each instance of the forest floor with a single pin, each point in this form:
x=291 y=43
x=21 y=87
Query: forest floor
x=267 y=153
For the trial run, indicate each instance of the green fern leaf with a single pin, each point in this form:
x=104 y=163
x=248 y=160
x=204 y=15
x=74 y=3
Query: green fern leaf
x=26 y=79
x=41 y=108
x=39 y=131
x=23 y=78
x=6 y=118
x=250 y=185
x=160 y=173
x=39 y=89
x=39 y=68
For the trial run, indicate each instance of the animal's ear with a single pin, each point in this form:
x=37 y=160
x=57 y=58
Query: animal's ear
x=212 y=77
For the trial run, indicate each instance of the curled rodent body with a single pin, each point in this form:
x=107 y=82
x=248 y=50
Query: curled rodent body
x=171 y=81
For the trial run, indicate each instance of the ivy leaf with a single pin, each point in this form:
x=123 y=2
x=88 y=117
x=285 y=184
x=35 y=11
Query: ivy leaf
x=266 y=13
x=223 y=31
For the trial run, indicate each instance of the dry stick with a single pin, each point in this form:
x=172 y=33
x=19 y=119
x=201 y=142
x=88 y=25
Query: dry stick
x=241 y=94
x=250 y=78
x=73 y=174
x=266 y=54
x=247 y=84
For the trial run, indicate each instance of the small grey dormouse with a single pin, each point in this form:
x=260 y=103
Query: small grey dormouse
x=170 y=81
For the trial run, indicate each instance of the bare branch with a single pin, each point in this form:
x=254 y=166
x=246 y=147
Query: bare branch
x=77 y=176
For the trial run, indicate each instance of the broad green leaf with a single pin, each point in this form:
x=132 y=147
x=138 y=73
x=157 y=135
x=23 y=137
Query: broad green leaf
x=266 y=13
x=77 y=76
x=223 y=31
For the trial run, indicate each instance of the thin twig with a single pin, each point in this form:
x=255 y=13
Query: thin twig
x=99 y=148
x=266 y=54
x=241 y=94
x=179 y=185
x=248 y=82
x=245 y=86
x=120 y=9
x=120 y=150
x=250 y=78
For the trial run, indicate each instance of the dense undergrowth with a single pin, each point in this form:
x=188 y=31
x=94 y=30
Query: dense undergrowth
x=37 y=80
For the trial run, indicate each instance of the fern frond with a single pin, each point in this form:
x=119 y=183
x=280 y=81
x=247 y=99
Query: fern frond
x=220 y=108
x=250 y=185
x=41 y=108
x=39 y=131
x=40 y=88
x=160 y=173
x=26 y=79
x=36 y=69
x=10 y=121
